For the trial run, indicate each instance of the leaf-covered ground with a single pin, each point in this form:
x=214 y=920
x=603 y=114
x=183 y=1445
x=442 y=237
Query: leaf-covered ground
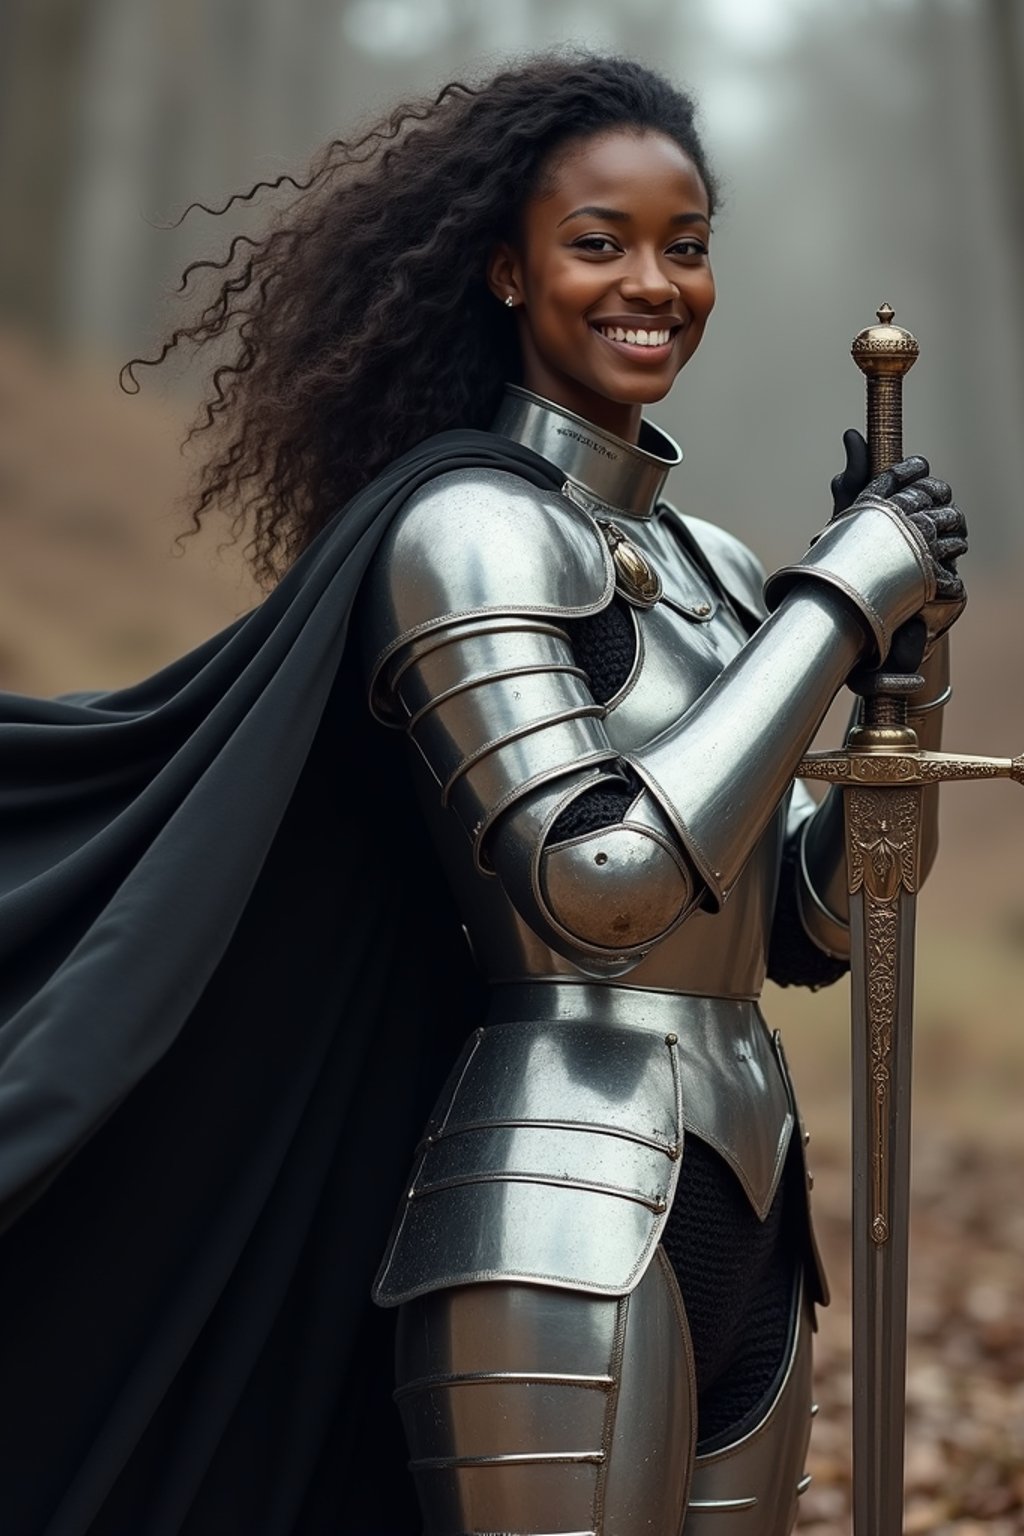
x=90 y=597
x=965 y=1385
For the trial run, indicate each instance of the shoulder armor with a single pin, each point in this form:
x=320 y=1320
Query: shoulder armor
x=482 y=541
x=737 y=568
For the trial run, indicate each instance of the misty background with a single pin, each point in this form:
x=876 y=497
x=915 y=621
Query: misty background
x=868 y=150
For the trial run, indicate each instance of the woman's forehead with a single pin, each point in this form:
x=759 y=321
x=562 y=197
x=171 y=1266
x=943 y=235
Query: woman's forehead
x=623 y=161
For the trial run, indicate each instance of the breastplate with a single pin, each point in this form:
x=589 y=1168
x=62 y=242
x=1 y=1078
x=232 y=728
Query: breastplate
x=683 y=642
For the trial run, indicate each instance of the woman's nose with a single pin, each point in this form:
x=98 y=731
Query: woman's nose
x=647 y=279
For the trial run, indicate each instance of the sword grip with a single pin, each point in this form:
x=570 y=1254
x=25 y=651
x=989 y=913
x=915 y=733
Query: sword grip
x=884 y=353
x=885 y=420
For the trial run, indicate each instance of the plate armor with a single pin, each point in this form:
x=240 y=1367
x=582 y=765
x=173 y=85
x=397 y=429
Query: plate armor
x=613 y=831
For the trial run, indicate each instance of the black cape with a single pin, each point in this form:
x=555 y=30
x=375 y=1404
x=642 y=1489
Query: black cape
x=230 y=986
x=231 y=983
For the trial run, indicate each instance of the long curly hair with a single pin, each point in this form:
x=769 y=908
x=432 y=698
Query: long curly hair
x=361 y=322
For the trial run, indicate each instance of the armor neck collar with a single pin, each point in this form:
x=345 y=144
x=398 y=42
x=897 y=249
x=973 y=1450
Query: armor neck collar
x=626 y=479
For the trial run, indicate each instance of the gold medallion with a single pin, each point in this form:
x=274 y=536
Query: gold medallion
x=635 y=577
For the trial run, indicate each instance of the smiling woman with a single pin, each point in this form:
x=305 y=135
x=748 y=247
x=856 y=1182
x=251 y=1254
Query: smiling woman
x=612 y=275
x=237 y=895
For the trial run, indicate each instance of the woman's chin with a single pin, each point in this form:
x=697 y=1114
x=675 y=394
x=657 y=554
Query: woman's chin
x=630 y=389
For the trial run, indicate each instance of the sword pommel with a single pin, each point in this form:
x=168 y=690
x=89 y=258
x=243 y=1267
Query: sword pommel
x=884 y=353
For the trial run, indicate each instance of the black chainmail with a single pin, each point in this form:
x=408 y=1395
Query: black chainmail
x=794 y=960
x=602 y=806
x=604 y=645
x=737 y=1275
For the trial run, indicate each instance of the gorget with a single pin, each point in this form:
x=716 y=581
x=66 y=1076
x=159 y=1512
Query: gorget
x=615 y=478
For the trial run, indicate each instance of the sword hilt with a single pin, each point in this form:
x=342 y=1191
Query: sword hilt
x=884 y=353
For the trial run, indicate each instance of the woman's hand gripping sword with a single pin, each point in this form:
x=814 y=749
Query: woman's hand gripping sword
x=883 y=773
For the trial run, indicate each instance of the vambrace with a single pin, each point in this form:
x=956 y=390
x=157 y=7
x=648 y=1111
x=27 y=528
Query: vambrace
x=722 y=769
x=876 y=560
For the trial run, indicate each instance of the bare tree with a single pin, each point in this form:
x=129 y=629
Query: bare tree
x=42 y=43
x=1002 y=36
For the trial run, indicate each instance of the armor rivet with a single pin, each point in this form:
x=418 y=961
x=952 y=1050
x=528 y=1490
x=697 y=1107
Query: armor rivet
x=411 y=1195
x=660 y=1206
x=815 y=1410
x=600 y=858
x=671 y=1039
x=807 y=1137
x=703 y=608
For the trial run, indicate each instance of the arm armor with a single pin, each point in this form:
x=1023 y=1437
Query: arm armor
x=467 y=618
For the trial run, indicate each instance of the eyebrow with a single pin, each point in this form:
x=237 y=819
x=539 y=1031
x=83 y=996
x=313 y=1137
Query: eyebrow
x=615 y=216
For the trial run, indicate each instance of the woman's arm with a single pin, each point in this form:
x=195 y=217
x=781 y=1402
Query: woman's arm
x=602 y=854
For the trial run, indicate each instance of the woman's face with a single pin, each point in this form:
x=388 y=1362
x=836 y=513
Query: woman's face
x=615 y=245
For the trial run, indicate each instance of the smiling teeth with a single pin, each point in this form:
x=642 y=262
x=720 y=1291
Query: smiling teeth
x=637 y=338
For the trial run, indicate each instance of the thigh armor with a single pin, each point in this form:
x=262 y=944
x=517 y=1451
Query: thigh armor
x=605 y=736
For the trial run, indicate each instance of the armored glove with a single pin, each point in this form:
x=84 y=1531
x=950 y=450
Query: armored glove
x=927 y=504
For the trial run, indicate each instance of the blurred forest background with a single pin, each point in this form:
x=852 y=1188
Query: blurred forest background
x=870 y=150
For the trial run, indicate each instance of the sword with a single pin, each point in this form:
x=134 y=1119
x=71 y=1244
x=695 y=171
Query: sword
x=883 y=774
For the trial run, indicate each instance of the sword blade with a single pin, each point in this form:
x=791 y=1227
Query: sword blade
x=883 y=836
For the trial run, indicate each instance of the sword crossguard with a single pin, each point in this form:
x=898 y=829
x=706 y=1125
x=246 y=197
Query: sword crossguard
x=895 y=765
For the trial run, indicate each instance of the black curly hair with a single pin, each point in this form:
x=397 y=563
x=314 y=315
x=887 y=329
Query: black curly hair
x=362 y=322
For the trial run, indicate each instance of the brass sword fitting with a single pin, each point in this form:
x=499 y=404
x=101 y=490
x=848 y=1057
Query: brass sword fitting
x=884 y=353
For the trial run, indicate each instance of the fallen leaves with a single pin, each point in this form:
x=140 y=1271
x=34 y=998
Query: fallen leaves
x=965 y=1379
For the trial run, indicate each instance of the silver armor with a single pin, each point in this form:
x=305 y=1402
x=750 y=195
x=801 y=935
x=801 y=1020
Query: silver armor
x=544 y=1353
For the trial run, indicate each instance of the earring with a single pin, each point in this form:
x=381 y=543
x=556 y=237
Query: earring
x=510 y=301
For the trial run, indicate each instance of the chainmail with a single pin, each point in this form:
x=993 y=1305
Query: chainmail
x=736 y=1274
x=604 y=645
x=794 y=960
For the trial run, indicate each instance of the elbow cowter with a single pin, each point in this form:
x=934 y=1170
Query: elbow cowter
x=602 y=898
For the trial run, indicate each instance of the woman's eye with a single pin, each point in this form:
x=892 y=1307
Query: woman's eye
x=689 y=248
x=599 y=243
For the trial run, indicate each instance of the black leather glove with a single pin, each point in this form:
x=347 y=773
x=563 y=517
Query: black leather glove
x=927 y=503
x=848 y=484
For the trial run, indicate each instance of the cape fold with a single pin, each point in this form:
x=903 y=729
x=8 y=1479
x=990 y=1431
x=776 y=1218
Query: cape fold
x=230 y=987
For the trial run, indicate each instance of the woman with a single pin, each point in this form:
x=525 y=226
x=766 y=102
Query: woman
x=603 y=1259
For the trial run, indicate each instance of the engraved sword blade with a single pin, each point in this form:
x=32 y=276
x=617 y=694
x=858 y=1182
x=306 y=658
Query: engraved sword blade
x=883 y=827
x=883 y=830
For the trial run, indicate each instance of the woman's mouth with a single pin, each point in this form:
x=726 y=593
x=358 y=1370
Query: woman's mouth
x=649 y=344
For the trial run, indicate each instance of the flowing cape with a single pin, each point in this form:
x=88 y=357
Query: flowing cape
x=230 y=986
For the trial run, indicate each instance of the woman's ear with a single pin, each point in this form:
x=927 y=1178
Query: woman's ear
x=503 y=274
